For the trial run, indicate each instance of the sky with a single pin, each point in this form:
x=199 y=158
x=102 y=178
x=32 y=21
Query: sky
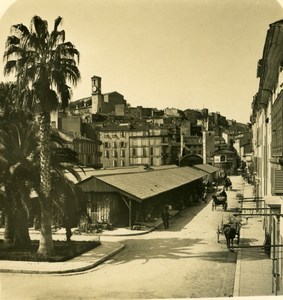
x=161 y=53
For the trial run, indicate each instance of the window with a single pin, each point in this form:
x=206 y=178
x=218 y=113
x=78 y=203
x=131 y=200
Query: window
x=113 y=144
x=134 y=151
x=122 y=153
x=106 y=153
x=114 y=153
x=151 y=151
x=106 y=145
x=114 y=163
x=144 y=152
x=222 y=158
x=122 y=163
x=123 y=145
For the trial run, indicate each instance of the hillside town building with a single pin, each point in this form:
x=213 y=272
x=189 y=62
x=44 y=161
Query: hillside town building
x=109 y=133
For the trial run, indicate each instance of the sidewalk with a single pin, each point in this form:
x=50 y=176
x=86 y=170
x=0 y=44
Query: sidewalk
x=80 y=263
x=254 y=268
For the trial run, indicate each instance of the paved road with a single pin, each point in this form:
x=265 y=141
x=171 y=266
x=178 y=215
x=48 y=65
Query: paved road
x=183 y=261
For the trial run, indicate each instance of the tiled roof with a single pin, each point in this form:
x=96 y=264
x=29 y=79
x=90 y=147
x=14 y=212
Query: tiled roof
x=207 y=168
x=147 y=184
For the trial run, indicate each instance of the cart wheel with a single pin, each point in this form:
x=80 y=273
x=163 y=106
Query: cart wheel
x=218 y=234
x=238 y=238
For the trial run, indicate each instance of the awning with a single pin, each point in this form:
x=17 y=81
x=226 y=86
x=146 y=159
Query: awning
x=141 y=186
x=273 y=200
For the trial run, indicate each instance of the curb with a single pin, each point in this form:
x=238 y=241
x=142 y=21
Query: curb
x=136 y=232
x=72 y=269
x=236 y=290
x=130 y=234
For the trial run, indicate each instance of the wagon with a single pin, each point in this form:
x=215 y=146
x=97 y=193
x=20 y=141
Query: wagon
x=235 y=223
x=218 y=200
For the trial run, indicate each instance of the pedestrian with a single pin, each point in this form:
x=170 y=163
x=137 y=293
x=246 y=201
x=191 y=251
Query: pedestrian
x=204 y=194
x=165 y=217
x=223 y=193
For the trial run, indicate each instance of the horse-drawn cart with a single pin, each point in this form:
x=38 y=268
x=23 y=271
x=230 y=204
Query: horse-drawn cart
x=219 y=200
x=231 y=230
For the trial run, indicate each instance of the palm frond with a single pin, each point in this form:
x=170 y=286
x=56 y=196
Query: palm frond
x=20 y=29
x=58 y=21
x=12 y=40
x=13 y=50
x=40 y=27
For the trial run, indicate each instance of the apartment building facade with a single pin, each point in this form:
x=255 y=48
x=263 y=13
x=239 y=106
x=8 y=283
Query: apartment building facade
x=124 y=145
x=267 y=126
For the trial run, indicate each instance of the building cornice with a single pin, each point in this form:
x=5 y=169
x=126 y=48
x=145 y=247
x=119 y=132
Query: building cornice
x=269 y=64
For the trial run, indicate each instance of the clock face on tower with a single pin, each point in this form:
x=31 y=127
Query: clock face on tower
x=96 y=85
x=94 y=89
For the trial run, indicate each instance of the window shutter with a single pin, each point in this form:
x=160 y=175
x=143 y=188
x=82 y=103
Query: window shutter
x=278 y=182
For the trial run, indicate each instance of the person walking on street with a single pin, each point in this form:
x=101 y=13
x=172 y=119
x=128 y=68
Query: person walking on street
x=165 y=217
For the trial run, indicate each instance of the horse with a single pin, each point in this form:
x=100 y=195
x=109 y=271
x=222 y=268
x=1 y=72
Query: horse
x=229 y=231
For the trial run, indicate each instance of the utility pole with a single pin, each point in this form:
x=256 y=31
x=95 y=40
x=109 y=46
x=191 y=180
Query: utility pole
x=204 y=133
x=181 y=143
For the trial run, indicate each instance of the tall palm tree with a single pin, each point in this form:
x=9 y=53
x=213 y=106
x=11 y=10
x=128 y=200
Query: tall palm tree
x=44 y=64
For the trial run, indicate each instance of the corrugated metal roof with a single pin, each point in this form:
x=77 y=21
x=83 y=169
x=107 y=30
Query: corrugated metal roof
x=144 y=185
x=207 y=168
x=89 y=172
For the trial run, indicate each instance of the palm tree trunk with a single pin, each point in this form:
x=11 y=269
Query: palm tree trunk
x=9 y=226
x=46 y=247
x=22 y=238
x=9 y=230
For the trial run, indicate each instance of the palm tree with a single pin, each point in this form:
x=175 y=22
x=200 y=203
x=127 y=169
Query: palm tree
x=19 y=174
x=17 y=150
x=67 y=197
x=69 y=203
x=44 y=64
x=7 y=91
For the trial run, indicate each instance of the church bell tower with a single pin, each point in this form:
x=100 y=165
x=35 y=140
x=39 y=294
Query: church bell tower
x=96 y=96
x=95 y=85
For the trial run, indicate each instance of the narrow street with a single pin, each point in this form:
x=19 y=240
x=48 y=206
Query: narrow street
x=184 y=261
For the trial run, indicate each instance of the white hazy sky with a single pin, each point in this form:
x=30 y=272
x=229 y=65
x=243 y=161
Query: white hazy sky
x=162 y=53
